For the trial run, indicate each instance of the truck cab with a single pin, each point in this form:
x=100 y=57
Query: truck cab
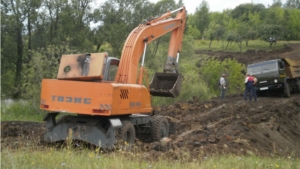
x=277 y=75
x=270 y=74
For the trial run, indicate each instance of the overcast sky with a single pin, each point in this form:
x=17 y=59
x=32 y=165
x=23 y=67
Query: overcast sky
x=220 y=5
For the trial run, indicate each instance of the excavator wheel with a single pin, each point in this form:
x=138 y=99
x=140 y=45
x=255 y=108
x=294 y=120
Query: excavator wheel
x=126 y=134
x=159 y=127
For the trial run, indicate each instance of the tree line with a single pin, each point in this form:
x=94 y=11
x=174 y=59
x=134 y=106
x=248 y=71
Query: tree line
x=35 y=33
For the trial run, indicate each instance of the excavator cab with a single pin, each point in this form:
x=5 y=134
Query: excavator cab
x=166 y=84
x=88 y=67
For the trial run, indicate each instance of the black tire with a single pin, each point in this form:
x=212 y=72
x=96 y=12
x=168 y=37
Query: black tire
x=298 y=86
x=126 y=133
x=286 y=90
x=159 y=127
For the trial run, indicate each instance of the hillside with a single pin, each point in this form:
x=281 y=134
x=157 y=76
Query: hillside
x=268 y=127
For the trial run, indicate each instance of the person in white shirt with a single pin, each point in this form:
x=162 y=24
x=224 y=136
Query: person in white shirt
x=222 y=86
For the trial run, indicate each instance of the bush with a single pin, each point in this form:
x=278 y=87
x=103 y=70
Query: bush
x=212 y=69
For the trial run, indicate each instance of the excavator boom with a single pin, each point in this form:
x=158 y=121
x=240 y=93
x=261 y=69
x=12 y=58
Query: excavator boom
x=136 y=43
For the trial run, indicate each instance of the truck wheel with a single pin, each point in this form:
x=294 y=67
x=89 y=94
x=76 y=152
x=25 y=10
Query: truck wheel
x=286 y=91
x=298 y=86
x=126 y=134
x=159 y=128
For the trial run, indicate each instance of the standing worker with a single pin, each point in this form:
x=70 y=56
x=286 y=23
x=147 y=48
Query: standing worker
x=249 y=86
x=223 y=86
x=254 y=87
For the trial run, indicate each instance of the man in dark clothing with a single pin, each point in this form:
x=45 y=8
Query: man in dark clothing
x=249 y=86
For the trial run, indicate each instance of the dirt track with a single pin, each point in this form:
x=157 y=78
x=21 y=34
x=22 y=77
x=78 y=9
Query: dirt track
x=268 y=127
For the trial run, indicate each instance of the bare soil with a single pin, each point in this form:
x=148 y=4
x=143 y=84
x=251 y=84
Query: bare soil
x=267 y=127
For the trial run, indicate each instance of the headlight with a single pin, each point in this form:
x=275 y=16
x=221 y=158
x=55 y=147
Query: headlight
x=275 y=80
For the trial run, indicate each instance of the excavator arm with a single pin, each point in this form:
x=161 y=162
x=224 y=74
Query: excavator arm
x=136 y=43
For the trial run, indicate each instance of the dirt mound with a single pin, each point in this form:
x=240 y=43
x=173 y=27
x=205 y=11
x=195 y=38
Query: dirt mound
x=269 y=126
x=266 y=127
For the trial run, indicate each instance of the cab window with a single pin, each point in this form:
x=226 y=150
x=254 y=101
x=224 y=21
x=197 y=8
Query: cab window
x=113 y=67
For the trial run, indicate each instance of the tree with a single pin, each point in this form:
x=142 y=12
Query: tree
x=291 y=24
x=163 y=5
x=276 y=3
x=119 y=18
x=254 y=19
x=272 y=24
x=292 y=4
x=8 y=53
x=180 y=3
x=214 y=31
x=17 y=15
x=51 y=23
x=246 y=32
x=30 y=11
x=241 y=12
x=193 y=31
x=230 y=37
x=202 y=16
x=268 y=32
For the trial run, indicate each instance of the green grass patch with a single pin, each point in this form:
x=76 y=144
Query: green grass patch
x=20 y=111
x=87 y=158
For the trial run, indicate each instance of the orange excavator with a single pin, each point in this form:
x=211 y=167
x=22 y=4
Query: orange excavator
x=101 y=99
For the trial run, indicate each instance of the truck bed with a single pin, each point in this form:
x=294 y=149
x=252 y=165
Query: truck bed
x=292 y=67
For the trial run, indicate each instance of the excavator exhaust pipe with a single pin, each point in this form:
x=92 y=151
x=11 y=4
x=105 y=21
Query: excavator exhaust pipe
x=166 y=84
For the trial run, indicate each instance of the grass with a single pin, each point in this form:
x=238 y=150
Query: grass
x=20 y=111
x=87 y=158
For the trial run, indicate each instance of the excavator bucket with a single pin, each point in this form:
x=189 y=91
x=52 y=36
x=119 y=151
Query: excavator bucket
x=166 y=84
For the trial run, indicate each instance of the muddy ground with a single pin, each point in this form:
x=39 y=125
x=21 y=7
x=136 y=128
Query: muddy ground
x=267 y=127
